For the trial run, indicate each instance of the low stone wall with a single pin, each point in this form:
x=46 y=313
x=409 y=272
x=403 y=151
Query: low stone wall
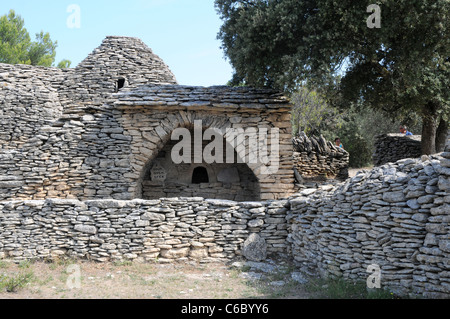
x=393 y=147
x=166 y=229
x=395 y=216
x=234 y=192
x=315 y=156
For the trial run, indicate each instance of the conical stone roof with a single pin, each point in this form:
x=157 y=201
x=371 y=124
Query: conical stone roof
x=121 y=58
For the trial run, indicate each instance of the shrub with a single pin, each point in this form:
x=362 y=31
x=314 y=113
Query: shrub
x=16 y=282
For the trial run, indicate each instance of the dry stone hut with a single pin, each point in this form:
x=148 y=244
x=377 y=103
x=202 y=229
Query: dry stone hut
x=103 y=130
x=87 y=170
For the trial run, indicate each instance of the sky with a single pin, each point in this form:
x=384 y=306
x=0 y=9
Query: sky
x=183 y=33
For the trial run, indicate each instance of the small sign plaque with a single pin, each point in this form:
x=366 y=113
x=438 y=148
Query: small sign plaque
x=158 y=173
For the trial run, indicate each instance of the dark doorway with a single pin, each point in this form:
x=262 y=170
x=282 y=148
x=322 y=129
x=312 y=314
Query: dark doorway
x=200 y=176
x=120 y=84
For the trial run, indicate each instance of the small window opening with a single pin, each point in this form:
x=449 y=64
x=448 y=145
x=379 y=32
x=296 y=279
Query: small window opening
x=200 y=176
x=120 y=84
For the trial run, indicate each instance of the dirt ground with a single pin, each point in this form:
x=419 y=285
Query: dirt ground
x=87 y=280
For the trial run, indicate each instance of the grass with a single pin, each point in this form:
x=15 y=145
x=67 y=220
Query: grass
x=135 y=280
x=339 y=288
x=12 y=283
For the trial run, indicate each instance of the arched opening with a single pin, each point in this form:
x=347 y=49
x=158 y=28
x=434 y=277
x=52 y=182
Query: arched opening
x=163 y=178
x=200 y=175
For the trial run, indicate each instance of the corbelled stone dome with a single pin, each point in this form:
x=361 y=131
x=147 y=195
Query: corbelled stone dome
x=119 y=62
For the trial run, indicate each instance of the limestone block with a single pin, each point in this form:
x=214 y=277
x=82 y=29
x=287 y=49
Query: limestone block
x=175 y=253
x=86 y=229
x=255 y=248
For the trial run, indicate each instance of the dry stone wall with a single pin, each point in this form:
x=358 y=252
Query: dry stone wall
x=29 y=100
x=395 y=216
x=151 y=114
x=73 y=134
x=164 y=230
x=117 y=59
x=315 y=156
x=75 y=155
x=394 y=147
x=60 y=136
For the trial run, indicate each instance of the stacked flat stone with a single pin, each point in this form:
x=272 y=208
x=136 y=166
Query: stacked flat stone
x=29 y=100
x=126 y=58
x=393 y=147
x=67 y=134
x=395 y=216
x=74 y=155
x=315 y=156
x=221 y=97
x=50 y=125
x=165 y=230
x=160 y=109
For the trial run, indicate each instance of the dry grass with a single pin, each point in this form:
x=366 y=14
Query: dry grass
x=54 y=280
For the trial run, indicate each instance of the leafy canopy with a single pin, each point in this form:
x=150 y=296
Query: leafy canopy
x=398 y=68
x=16 y=46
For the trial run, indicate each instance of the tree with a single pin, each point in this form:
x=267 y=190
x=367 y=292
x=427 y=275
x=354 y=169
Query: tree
x=401 y=68
x=16 y=46
x=64 y=64
x=311 y=113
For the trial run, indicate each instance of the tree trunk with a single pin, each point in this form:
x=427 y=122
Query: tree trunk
x=429 y=127
x=441 y=135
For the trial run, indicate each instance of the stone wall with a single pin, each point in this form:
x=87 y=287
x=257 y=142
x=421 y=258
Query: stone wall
x=29 y=100
x=75 y=155
x=151 y=114
x=315 y=156
x=393 y=147
x=105 y=153
x=32 y=97
x=53 y=121
x=73 y=134
x=117 y=58
x=164 y=230
x=395 y=216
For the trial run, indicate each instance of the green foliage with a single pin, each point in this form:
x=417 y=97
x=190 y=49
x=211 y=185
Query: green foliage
x=311 y=113
x=15 y=282
x=16 y=46
x=43 y=51
x=14 y=40
x=357 y=127
x=356 y=141
x=64 y=64
x=339 y=288
x=401 y=69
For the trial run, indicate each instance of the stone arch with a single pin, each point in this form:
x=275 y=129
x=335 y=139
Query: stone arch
x=153 y=143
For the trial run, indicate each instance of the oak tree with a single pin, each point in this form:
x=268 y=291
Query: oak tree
x=392 y=55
